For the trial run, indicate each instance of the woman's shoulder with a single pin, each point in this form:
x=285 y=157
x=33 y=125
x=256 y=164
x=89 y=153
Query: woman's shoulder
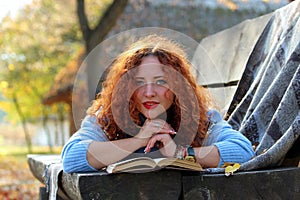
x=219 y=129
x=91 y=129
x=217 y=122
x=89 y=120
x=214 y=116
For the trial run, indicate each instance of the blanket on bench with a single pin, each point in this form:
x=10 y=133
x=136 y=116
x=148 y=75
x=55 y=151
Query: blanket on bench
x=265 y=107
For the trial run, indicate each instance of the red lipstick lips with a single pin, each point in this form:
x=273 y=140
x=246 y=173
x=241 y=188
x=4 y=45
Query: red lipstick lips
x=150 y=104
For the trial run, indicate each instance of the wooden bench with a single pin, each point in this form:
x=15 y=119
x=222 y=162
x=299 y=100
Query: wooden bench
x=242 y=52
x=278 y=183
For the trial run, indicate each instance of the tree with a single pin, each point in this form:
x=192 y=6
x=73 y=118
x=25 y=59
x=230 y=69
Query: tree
x=93 y=36
x=37 y=43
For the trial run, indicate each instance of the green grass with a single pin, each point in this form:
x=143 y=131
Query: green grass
x=23 y=150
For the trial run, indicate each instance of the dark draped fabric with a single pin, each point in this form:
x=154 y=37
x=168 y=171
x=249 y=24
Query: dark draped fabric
x=265 y=107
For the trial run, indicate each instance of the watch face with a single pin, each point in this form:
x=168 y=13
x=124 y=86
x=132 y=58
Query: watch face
x=190 y=151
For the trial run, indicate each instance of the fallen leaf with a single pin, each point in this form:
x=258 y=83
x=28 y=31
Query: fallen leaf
x=226 y=164
x=231 y=168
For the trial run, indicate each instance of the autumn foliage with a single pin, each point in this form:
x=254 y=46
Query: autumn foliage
x=16 y=180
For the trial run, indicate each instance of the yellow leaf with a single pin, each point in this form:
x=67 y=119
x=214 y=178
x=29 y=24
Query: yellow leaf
x=231 y=168
x=226 y=164
x=236 y=166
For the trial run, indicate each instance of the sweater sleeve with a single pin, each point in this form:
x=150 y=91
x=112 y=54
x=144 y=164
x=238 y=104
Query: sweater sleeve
x=74 y=151
x=232 y=145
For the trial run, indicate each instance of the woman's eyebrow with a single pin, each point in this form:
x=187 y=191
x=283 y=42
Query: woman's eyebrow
x=156 y=77
x=160 y=76
x=139 y=77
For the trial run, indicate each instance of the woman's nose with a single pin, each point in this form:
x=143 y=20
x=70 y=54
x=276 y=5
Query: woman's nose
x=149 y=90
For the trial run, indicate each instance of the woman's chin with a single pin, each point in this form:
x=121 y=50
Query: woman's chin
x=151 y=115
x=154 y=114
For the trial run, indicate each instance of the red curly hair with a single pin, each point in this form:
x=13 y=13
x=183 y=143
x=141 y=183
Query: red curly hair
x=187 y=114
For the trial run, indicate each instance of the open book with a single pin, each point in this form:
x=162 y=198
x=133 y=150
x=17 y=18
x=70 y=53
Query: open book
x=145 y=164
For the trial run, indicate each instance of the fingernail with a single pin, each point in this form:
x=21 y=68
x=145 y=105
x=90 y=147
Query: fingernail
x=145 y=151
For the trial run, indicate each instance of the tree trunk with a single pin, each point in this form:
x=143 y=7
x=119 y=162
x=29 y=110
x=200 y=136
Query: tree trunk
x=61 y=119
x=93 y=37
x=23 y=121
x=46 y=129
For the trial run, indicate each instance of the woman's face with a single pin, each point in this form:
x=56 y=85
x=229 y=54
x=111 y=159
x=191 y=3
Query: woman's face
x=152 y=96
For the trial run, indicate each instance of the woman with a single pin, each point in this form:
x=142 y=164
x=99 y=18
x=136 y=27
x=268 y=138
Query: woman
x=151 y=105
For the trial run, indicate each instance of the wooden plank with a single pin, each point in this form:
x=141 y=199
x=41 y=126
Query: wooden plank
x=163 y=184
x=38 y=163
x=279 y=183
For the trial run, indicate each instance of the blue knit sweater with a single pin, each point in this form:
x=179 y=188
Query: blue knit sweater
x=232 y=145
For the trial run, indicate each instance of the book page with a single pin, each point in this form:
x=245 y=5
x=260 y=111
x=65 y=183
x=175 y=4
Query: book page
x=146 y=164
x=134 y=164
x=166 y=162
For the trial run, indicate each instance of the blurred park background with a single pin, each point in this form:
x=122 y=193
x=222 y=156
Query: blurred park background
x=43 y=42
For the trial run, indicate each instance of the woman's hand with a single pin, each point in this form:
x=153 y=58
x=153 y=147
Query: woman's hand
x=153 y=127
x=168 y=145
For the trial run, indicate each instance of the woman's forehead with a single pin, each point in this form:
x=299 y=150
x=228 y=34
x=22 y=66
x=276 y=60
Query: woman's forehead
x=150 y=59
x=150 y=70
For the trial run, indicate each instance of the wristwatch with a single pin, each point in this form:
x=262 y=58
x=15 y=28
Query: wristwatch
x=190 y=154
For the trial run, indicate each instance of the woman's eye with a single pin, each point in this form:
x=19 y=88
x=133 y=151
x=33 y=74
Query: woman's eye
x=161 y=82
x=139 y=83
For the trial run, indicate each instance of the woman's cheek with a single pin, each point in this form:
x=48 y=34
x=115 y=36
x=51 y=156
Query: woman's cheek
x=136 y=100
x=170 y=96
